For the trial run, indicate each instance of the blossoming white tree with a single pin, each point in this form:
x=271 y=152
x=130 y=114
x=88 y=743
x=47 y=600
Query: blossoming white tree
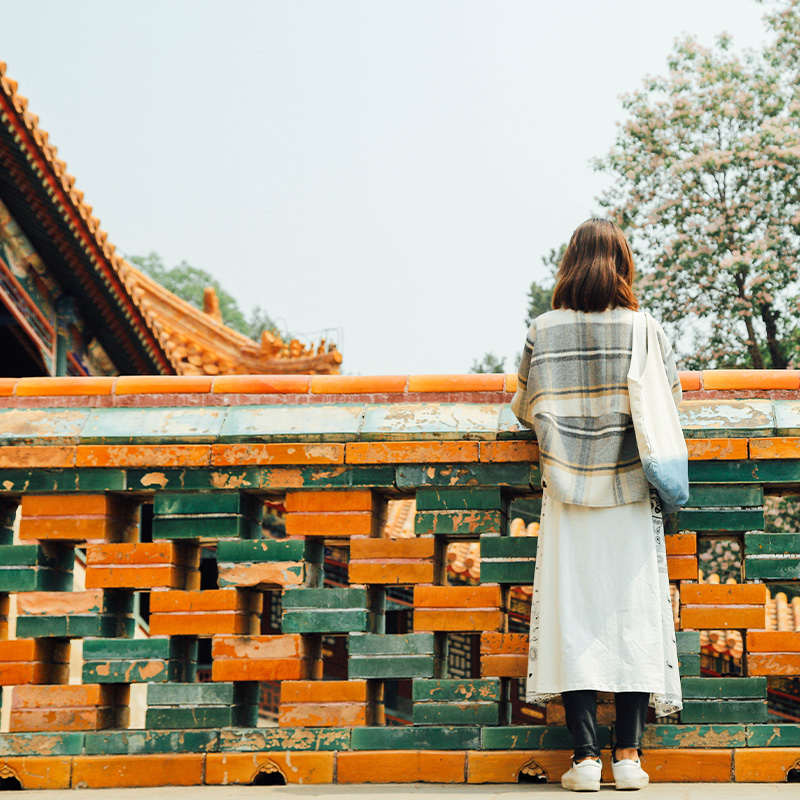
x=707 y=185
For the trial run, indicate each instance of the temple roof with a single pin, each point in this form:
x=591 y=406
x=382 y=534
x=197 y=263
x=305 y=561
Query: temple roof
x=143 y=328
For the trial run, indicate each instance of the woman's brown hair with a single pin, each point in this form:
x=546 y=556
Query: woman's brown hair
x=596 y=271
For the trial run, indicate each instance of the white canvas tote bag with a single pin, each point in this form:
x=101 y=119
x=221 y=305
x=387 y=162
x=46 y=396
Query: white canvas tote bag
x=659 y=437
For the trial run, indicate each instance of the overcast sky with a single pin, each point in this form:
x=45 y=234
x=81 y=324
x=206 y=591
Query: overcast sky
x=392 y=168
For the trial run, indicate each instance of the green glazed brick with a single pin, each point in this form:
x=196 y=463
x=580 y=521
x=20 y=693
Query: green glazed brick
x=124 y=649
x=62 y=480
x=324 y=621
x=456 y=713
x=411 y=738
x=536 y=737
x=774 y=569
x=704 y=495
x=53 y=557
x=771 y=543
x=250 y=740
x=123 y=743
x=688 y=642
x=76 y=627
x=260 y=550
x=41 y=744
x=202 y=503
x=208 y=527
x=700 y=736
x=162 y=717
x=131 y=671
x=518 y=476
x=730 y=472
x=34 y=579
x=724 y=711
x=391 y=667
x=781 y=735
x=724 y=688
x=460 y=523
x=516 y=573
x=519 y=547
x=392 y=644
x=443 y=499
x=724 y=520
x=202 y=694
x=457 y=690
x=327 y=477
x=689 y=664
x=331 y=599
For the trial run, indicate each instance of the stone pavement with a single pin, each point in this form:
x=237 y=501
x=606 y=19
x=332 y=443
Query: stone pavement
x=660 y=791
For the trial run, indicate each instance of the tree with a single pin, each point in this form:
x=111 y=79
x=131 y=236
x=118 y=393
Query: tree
x=189 y=283
x=489 y=363
x=540 y=295
x=707 y=186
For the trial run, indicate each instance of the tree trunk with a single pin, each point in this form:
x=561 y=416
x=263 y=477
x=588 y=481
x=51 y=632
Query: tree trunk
x=771 y=323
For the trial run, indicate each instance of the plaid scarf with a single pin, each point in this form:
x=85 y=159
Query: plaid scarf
x=573 y=392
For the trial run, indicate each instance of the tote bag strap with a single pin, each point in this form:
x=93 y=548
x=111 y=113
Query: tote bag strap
x=639 y=342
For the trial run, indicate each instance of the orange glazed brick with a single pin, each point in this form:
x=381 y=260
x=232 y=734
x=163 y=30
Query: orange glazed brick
x=778 y=447
x=162 y=384
x=202 y=624
x=773 y=641
x=77 y=517
x=111 y=772
x=55 y=387
x=324 y=691
x=231 y=455
x=206 y=600
x=682 y=568
x=691 y=381
x=512 y=380
x=764 y=764
x=504 y=655
x=61 y=719
x=272 y=669
x=144 y=455
x=287 y=645
x=447 y=597
x=499 y=452
x=323 y=715
x=401 y=766
x=711 y=618
x=751 y=379
x=457 y=608
x=504 y=766
x=37 y=456
x=681 y=544
x=333 y=523
x=261 y=384
x=410 y=452
x=392 y=561
x=724 y=593
x=72 y=696
x=357 y=384
x=693 y=765
x=716 y=449
x=766 y=664
x=223 y=769
x=260 y=658
x=456 y=383
x=7 y=386
x=38 y=772
x=59 y=603
x=330 y=500
x=417 y=548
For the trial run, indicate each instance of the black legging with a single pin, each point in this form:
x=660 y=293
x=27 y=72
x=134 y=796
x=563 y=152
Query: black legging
x=580 y=708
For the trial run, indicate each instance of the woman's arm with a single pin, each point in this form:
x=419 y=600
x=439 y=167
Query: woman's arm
x=520 y=403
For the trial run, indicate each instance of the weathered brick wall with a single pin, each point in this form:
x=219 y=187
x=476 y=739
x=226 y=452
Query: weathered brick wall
x=158 y=485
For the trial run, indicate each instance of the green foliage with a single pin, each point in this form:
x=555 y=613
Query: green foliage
x=707 y=187
x=489 y=363
x=189 y=283
x=540 y=295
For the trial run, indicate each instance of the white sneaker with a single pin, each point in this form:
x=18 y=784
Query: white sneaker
x=628 y=774
x=583 y=777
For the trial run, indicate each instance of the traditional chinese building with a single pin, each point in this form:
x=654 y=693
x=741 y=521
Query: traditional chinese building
x=71 y=305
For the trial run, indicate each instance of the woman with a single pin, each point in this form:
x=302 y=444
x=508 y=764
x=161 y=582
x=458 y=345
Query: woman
x=601 y=617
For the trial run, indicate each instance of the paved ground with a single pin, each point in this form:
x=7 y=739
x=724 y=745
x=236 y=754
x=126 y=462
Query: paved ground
x=662 y=791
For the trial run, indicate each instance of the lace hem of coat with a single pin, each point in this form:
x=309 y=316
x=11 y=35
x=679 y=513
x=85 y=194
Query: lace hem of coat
x=664 y=704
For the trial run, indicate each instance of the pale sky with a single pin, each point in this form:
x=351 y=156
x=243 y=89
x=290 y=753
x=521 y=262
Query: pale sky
x=393 y=168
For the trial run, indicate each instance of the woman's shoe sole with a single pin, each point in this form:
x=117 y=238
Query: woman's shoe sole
x=630 y=785
x=584 y=787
